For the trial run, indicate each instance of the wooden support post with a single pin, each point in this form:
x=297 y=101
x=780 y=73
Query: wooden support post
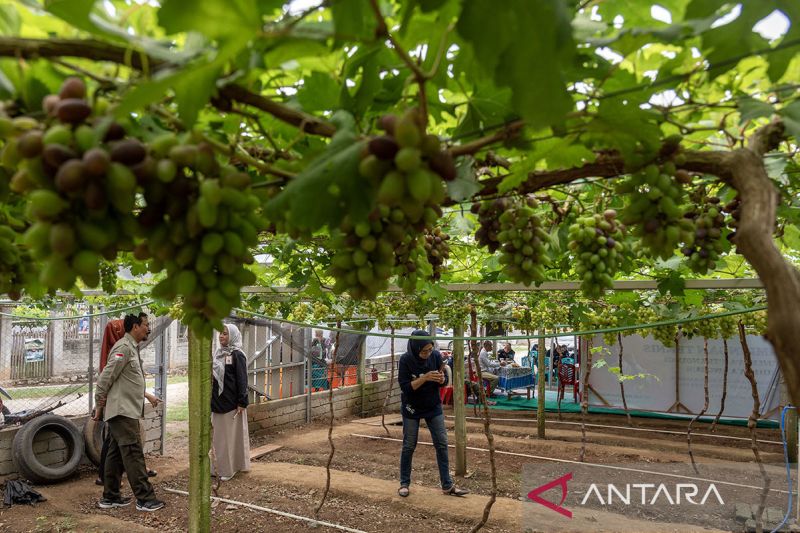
x=90 y=369
x=678 y=405
x=459 y=409
x=362 y=368
x=790 y=423
x=540 y=401
x=199 y=433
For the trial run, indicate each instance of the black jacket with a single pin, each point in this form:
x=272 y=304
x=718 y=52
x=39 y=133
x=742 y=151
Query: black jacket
x=424 y=402
x=234 y=393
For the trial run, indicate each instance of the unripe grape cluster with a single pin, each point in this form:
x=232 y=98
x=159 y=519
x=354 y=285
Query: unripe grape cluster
x=437 y=250
x=94 y=190
x=78 y=173
x=599 y=247
x=663 y=334
x=704 y=246
x=755 y=322
x=15 y=265
x=604 y=319
x=408 y=168
x=655 y=212
x=733 y=208
x=201 y=220
x=708 y=328
x=364 y=258
x=727 y=326
x=523 y=240
x=489 y=222
x=455 y=313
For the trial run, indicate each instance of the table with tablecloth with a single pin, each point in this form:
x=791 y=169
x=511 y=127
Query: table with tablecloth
x=515 y=377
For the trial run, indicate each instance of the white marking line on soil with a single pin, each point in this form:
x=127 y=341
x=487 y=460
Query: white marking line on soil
x=273 y=511
x=683 y=433
x=585 y=463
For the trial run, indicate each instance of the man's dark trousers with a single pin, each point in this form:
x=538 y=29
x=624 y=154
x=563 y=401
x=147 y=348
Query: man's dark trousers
x=125 y=453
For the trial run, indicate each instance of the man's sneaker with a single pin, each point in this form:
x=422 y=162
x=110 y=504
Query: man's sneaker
x=149 y=505
x=108 y=503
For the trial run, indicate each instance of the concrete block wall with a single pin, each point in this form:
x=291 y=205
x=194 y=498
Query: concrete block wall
x=52 y=450
x=277 y=415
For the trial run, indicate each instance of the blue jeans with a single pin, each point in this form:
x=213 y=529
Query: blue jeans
x=439 y=437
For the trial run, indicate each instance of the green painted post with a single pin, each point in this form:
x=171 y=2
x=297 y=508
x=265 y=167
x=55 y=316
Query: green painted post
x=459 y=409
x=199 y=433
x=541 y=392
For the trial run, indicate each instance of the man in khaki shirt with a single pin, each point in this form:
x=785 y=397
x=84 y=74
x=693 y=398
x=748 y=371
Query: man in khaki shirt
x=119 y=399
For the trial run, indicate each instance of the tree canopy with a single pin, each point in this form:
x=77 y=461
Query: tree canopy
x=207 y=145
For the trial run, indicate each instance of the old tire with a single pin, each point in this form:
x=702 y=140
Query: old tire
x=93 y=440
x=29 y=465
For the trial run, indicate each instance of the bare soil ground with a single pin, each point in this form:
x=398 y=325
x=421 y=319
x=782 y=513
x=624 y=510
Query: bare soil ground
x=364 y=481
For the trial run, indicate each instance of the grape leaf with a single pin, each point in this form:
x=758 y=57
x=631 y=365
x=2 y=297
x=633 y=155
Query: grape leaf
x=9 y=20
x=466 y=183
x=74 y=12
x=354 y=18
x=725 y=43
x=320 y=92
x=532 y=67
x=329 y=188
x=215 y=18
x=780 y=59
x=750 y=108
x=673 y=284
x=791 y=118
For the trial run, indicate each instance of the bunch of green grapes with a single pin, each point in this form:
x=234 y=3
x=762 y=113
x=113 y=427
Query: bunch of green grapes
x=437 y=250
x=708 y=328
x=364 y=258
x=663 y=334
x=704 y=246
x=15 y=262
x=522 y=316
x=727 y=326
x=489 y=222
x=411 y=263
x=201 y=220
x=655 y=212
x=408 y=167
x=524 y=241
x=108 y=277
x=599 y=248
x=604 y=318
x=78 y=172
x=756 y=322
x=301 y=312
x=81 y=173
x=547 y=316
x=455 y=312
x=733 y=208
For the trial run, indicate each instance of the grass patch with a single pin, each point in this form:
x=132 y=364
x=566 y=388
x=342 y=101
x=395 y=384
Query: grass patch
x=178 y=413
x=32 y=393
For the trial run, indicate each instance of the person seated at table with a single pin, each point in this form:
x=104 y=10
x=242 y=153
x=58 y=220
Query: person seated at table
x=561 y=352
x=489 y=367
x=505 y=353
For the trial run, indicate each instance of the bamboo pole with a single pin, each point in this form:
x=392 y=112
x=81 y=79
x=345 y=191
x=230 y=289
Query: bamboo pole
x=391 y=384
x=540 y=400
x=459 y=410
x=199 y=433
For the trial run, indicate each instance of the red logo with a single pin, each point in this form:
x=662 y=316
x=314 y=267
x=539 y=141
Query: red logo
x=560 y=482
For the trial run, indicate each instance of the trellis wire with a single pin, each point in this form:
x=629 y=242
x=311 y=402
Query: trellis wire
x=579 y=333
x=77 y=317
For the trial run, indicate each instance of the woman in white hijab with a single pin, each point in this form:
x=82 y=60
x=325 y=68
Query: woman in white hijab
x=229 y=406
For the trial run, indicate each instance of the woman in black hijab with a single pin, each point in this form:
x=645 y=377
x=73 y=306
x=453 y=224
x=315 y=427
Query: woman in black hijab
x=420 y=375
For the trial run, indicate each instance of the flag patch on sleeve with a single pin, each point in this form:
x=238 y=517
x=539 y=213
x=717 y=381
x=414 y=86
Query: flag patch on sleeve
x=119 y=355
